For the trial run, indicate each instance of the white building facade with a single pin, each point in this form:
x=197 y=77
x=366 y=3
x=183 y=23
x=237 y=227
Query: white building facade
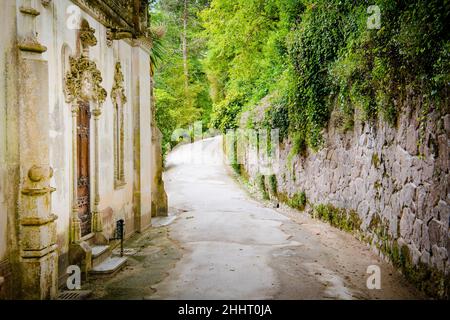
x=78 y=142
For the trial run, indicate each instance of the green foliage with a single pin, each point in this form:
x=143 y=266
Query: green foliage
x=237 y=167
x=376 y=160
x=299 y=144
x=224 y=114
x=261 y=184
x=273 y=184
x=379 y=68
x=311 y=57
x=276 y=117
x=298 y=201
x=313 y=46
x=165 y=118
x=338 y=217
x=317 y=56
x=427 y=279
x=178 y=106
x=246 y=53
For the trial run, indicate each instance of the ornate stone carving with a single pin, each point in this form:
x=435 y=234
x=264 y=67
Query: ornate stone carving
x=45 y=3
x=120 y=14
x=83 y=81
x=119 y=99
x=118 y=91
x=38 y=221
x=87 y=35
x=29 y=10
x=31 y=45
x=37 y=175
x=127 y=10
x=117 y=34
x=28 y=41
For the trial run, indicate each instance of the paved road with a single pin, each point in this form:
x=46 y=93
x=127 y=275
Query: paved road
x=234 y=247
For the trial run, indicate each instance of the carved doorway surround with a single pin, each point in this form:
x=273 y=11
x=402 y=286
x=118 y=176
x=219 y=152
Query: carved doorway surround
x=85 y=94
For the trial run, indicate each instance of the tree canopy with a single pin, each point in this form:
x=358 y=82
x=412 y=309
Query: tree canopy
x=310 y=56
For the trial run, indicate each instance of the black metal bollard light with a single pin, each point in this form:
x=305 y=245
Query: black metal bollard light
x=119 y=233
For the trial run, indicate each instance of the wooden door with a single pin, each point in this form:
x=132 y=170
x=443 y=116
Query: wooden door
x=83 y=201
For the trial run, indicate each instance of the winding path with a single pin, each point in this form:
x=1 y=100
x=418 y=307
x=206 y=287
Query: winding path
x=236 y=248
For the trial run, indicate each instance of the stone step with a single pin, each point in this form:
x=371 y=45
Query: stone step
x=99 y=254
x=109 y=267
x=89 y=239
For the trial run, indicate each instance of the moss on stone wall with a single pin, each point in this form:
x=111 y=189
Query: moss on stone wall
x=298 y=201
x=343 y=219
x=376 y=160
x=243 y=173
x=261 y=184
x=427 y=279
x=282 y=197
x=273 y=184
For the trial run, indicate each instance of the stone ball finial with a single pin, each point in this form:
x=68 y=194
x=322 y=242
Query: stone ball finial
x=36 y=173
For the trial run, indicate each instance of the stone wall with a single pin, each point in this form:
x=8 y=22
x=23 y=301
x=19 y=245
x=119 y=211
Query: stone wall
x=397 y=180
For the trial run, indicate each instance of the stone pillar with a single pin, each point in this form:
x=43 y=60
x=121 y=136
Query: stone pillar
x=37 y=228
x=75 y=223
x=159 y=195
x=136 y=138
x=96 y=219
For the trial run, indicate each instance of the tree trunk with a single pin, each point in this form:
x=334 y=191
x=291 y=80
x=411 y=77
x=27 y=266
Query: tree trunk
x=185 y=51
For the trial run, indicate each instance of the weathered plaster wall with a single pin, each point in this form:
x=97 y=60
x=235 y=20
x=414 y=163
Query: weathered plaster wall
x=60 y=43
x=8 y=144
x=5 y=42
x=396 y=179
x=120 y=199
x=115 y=203
x=146 y=138
x=32 y=82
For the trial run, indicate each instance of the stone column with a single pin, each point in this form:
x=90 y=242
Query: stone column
x=75 y=223
x=159 y=196
x=37 y=228
x=96 y=219
x=135 y=103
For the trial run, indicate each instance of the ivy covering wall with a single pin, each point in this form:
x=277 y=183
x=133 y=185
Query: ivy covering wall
x=313 y=57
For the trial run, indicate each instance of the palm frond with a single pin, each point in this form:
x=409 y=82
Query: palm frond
x=158 y=51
